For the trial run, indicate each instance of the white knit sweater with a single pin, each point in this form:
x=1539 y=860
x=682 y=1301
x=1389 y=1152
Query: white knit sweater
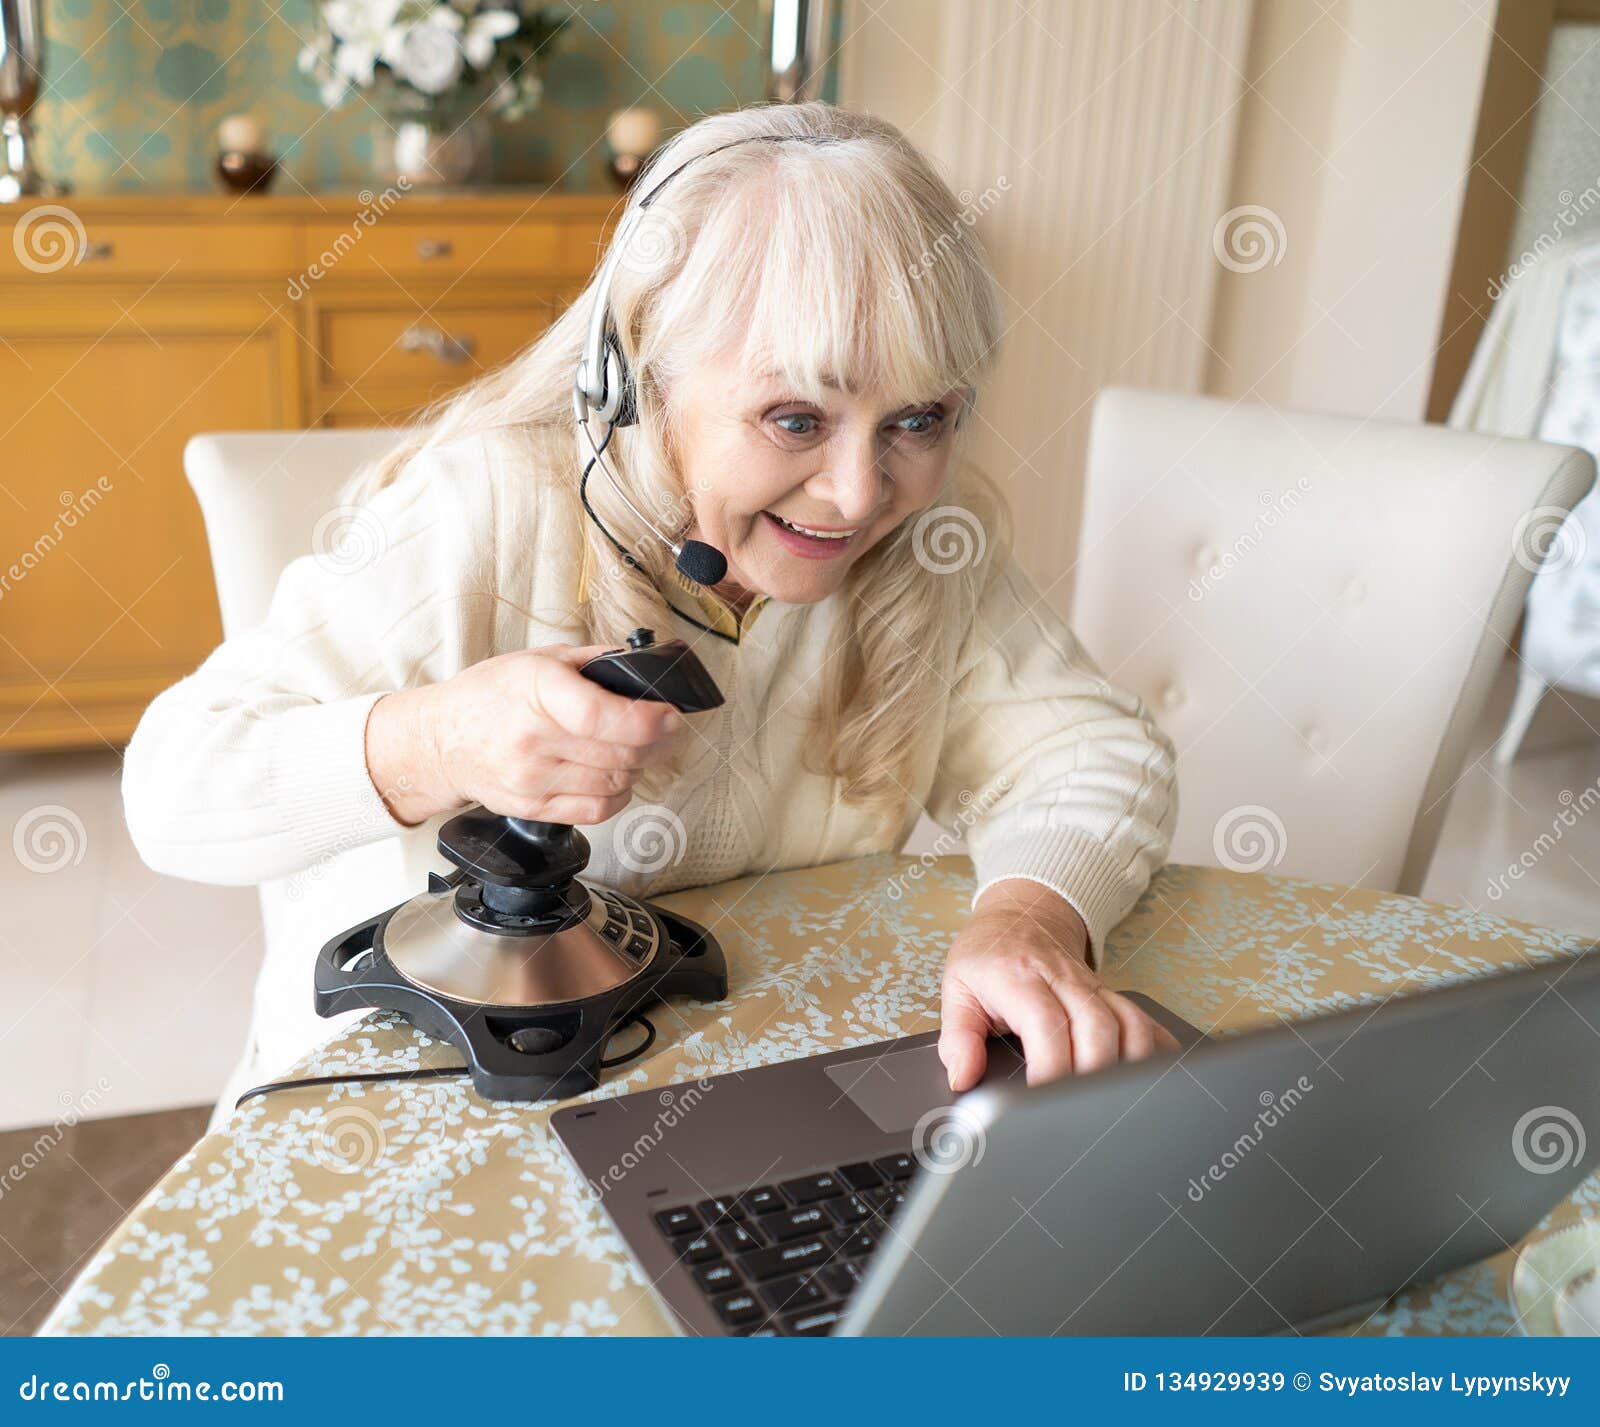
x=253 y=768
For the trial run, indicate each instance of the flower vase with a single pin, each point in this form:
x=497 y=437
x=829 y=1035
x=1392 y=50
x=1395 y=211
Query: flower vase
x=428 y=152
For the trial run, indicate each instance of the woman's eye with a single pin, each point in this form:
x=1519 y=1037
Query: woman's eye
x=797 y=423
x=920 y=423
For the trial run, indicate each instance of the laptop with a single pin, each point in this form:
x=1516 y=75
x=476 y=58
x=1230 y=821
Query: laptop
x=1273 y=1181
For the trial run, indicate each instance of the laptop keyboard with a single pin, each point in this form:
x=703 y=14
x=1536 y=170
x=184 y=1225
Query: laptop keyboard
x=782 y=1259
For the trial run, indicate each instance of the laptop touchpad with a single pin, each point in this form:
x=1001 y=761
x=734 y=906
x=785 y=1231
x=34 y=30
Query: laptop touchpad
x=898 y=1087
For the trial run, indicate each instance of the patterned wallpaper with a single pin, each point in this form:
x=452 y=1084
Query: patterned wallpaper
x=134 y=93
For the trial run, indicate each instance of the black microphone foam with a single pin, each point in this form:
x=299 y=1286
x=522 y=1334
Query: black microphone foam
x=702 y=563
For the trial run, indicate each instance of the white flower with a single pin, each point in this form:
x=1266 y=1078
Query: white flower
x=483 y=29
x=360 y=19
x=365 y=32
x=315 y=55
x=429 y=57
x=355 y=60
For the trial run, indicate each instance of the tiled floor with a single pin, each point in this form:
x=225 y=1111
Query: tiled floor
x=125 y=991
x=1541 y=815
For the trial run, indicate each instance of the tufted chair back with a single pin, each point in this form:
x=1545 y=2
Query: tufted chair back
x=1314 y=608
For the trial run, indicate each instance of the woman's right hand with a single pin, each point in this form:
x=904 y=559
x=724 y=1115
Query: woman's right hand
x=525 y=734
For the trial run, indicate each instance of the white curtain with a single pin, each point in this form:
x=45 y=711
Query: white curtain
x=1536 y=373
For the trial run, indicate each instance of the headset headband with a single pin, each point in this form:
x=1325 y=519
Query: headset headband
x=602 y=387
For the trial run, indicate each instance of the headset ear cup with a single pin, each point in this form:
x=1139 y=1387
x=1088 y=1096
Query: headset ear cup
x=620 y=408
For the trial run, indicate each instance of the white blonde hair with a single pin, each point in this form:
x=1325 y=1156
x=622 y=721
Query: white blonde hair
x=843 y=261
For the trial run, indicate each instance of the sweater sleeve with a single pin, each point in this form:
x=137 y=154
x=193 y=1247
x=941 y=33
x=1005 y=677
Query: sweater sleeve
x=1055 y=775
x=254 y=766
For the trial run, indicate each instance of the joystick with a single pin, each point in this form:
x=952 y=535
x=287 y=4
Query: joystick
x=524 y=967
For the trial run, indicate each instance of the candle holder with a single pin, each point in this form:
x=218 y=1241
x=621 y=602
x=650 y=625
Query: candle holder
x=631 y=137
x=798 y=41
x=244 y=173
x=243 y=163
x=21 y=73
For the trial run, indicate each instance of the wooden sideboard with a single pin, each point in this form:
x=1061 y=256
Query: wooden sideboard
x=130 y=323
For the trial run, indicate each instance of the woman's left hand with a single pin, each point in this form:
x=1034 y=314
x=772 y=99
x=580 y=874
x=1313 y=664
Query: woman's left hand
x=1021 y=964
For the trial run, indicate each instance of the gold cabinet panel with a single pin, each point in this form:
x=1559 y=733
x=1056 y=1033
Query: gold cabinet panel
x=106 y=592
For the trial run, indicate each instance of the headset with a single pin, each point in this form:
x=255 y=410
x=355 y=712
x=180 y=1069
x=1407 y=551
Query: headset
x=603 y=388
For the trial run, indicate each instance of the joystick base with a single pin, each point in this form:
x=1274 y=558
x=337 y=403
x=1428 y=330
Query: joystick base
x=549 y=1050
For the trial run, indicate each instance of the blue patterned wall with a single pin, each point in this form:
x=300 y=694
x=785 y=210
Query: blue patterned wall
x=133 y=95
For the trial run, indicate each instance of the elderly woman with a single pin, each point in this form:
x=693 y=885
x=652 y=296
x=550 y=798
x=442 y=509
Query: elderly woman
x=806 y=321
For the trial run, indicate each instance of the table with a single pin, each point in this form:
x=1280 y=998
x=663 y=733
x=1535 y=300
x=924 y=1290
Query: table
x=418 y=1208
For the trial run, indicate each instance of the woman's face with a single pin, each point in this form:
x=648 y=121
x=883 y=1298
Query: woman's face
x=794 y=492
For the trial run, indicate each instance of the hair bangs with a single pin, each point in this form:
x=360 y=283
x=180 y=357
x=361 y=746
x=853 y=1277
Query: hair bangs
x=816 y=271
x=840 y=296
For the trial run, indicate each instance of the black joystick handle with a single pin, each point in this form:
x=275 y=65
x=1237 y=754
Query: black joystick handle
x=667 y=673
x=663 y=673
x=526 y=867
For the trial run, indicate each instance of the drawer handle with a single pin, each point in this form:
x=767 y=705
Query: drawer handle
x=96 y=250
x=439 y=344
x=430 y=248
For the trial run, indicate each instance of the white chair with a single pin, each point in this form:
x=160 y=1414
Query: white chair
x=261 y=494
x=1314 y=608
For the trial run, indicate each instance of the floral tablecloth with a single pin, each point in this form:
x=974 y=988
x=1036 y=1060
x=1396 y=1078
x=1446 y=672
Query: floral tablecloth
x=418 y=1208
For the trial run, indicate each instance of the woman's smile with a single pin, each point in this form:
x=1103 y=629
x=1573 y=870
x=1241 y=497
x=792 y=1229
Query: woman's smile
x=811 y=542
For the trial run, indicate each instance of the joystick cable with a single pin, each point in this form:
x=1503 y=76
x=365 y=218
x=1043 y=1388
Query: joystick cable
x=373 y=1077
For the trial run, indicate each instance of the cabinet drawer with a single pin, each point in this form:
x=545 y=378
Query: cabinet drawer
x=396 y=247
x=390 y=347
x=52 y=241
